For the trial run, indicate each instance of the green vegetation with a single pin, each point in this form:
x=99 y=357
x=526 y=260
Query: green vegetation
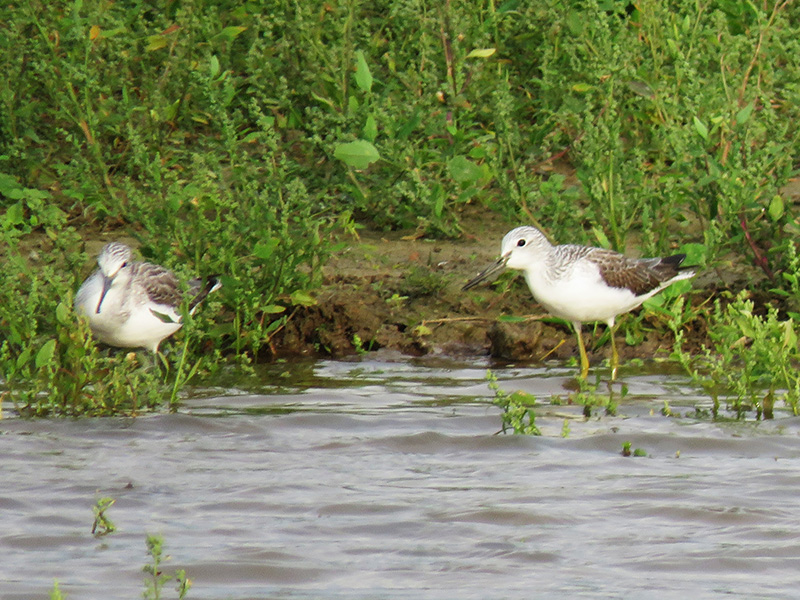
x=102 y=524
x=240 y=137
x=55 y=593
x=752 y=363
x=156 y=577
x=628 y=450
x=588 y=396
x=518 y=408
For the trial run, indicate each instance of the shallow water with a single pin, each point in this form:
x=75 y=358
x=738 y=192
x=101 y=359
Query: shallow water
x=382 y=478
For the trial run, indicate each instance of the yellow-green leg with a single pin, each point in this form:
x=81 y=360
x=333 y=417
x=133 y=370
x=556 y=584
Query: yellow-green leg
x=582 y=350
x=614 y=354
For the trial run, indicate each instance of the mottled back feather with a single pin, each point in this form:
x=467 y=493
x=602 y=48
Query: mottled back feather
x=160 y=284
x=640 y=276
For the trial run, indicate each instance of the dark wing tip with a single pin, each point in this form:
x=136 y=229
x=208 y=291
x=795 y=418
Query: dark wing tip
x=674 y=261
x=672 y=265
x=679 y=266
x=212 y=283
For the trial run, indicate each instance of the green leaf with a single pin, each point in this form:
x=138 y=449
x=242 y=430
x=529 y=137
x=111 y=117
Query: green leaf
x=641 y=88
x=359 y=154
x=163 y=317
x=273 y=309
x=363 y=76
x=602 y=238
x=352 y=104
x=265 y=249
x=230 y=33
x=582 y=88
x=575 y=22
x=695 y=253
x=789 y=335
x=510 y=319
x=8 y=184
x=701 y=128
x=478 y=152
x=109 y=33
x=23 y=358
x=656 y=305
x=463 y=170
x=274 y=325
x=775 y=209
x=45 y=355
x=524 y=398
x=214 y=66
x=302 y=298
x=745 y=113
x=15 y=215
x=481 y=53
x=423 y=330
x=370 y=129
x=155 y=42
x=438 y=204
x=62 y=314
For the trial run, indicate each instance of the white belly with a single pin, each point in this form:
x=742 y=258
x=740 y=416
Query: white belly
x=142 y=329
x=584 y=297
x=125 y=320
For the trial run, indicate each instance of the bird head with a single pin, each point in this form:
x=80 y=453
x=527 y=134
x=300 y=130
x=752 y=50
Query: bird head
x=114 y=257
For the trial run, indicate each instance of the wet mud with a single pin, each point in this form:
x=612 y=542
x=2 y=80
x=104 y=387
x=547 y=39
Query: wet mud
x=398 y=292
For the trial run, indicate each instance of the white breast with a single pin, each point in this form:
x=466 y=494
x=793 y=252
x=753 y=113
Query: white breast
x=580 y=294
x=126 y=318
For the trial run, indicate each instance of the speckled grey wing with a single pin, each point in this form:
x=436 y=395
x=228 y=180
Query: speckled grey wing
x=159 y=283
x=641 y=275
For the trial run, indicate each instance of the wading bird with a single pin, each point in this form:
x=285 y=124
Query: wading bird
x=131 y=304
x=583 y=284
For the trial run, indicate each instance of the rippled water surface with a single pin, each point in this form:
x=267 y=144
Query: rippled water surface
x=384 y=479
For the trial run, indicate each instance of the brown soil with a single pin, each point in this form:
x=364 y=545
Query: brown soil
x=391 y=290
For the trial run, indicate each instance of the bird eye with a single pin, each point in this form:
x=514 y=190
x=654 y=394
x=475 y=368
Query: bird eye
x=521 y=243
x=125 y=264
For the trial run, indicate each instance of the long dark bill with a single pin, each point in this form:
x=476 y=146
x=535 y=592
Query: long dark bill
x=487 y=272
x=107 y=281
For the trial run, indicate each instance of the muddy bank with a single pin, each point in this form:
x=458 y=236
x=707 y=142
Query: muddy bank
x=398 y=292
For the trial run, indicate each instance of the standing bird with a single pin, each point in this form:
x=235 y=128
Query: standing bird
x=584 y=284
x=133 y=304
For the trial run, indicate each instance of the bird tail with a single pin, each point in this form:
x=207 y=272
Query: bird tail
x=200 y=289
x=672 y=267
